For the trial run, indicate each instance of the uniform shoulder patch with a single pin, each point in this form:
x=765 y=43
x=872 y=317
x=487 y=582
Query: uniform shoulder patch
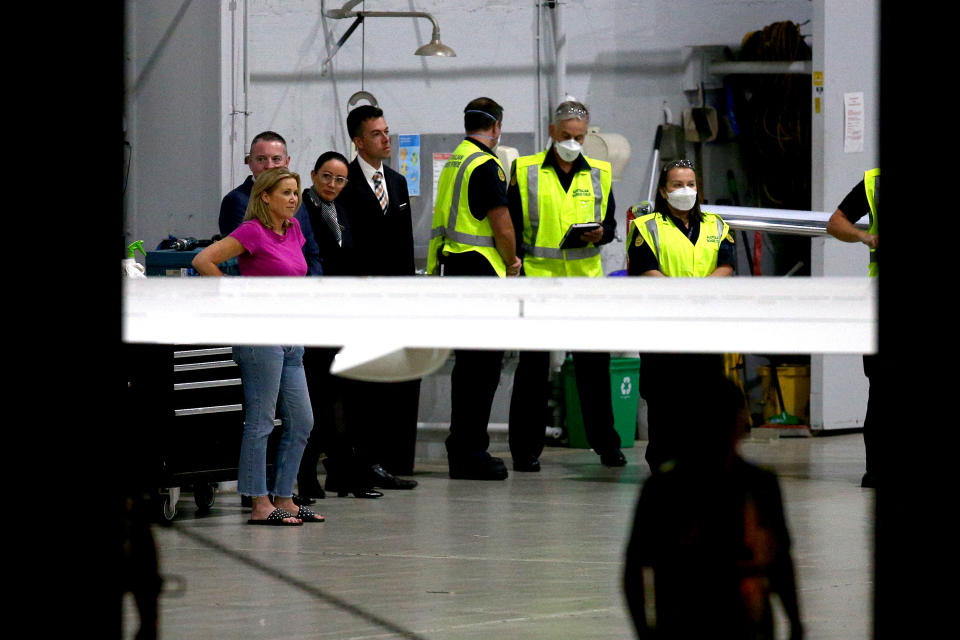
x=637 y=239
x=503 y=178
x=730 y=237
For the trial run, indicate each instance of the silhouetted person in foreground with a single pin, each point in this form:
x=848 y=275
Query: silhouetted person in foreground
x=710 y=547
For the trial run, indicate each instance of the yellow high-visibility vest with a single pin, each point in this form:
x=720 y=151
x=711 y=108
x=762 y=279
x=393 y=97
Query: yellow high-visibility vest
x=678 y=257
x=548 y=211
x=871 y=180
x=454 y=228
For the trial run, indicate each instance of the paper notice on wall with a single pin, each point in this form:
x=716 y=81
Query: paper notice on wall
x=410 y=162
x=439 y=159
x=853 y=122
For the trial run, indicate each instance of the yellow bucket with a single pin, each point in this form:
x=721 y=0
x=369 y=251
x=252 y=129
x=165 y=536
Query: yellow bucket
x=795 y=386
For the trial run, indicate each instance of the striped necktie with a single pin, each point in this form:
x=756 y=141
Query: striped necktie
x=379 y=190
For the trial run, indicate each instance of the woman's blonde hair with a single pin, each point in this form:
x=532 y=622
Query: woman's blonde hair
x=266 y=182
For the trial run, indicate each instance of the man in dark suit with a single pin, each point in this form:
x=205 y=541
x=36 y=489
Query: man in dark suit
x=377 y=204
x=331 y=435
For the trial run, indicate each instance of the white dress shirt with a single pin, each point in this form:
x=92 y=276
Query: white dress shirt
x=368 y=172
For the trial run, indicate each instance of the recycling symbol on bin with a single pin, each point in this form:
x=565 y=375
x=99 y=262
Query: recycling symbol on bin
x=626 y=386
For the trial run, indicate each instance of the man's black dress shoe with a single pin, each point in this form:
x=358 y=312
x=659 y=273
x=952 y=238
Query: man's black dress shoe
x=529 y=463
x=358 y=491
x=613 y=458
x=383 y=479
x=478 y=468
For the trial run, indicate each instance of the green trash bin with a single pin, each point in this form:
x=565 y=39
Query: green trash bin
x=624 y=397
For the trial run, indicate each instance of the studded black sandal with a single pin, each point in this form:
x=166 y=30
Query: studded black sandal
x=275 y=519
x=307 y=515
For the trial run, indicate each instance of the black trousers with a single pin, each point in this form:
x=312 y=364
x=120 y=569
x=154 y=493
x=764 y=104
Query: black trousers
x=475 y=375
x=529 y=413
x=358 y=424
x=669 y=383
x=383 y=419
x=330 y=434
x=872 y=437
x=473 y=385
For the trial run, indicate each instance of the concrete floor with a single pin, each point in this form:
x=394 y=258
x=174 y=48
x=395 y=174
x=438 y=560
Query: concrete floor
x=536 y=556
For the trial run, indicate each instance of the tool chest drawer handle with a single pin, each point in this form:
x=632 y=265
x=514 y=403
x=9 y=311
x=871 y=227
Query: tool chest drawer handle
x=207 y=384
x=202 y=410
x=219 y=364
x=196 y=353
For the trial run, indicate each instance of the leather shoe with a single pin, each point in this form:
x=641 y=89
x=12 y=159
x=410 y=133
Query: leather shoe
x=478 y=468
x=383 y=479
x=528 y=463
x=360 y=493
x=343 y=491
x=613 y=458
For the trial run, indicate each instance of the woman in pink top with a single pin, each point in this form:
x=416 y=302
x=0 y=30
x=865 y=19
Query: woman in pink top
x=268 y=243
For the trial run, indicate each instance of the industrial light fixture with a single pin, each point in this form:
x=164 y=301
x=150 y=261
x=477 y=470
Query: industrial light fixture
x=433 y=48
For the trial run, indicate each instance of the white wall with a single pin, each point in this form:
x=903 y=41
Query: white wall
x=849 y=57
x=172 y=118
x=625 y=58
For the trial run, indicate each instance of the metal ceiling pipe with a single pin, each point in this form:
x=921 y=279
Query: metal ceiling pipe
x=433 y=48
x=560 y=55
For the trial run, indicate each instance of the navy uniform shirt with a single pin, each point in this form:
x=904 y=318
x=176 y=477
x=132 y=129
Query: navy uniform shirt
x=855 y=204
x=488 y=186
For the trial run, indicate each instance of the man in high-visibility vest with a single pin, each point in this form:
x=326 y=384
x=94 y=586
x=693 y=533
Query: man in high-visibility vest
x=472 y=235
x=552 y=194
x=864 y=199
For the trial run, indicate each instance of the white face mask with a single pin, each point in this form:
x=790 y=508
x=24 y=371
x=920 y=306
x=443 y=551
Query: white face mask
x=682 y=199
x=568 y=150
x=495 y=142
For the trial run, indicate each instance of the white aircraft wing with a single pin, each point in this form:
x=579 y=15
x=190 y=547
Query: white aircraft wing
x=401 y=328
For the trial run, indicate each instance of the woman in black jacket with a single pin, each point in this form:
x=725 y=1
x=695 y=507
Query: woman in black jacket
x=333 y=236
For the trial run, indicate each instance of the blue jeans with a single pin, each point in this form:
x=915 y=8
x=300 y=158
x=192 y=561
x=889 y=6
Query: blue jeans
x=273 y=382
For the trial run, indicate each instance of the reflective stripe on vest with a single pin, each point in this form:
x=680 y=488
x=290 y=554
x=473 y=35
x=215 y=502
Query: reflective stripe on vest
x=450 y=231
x=533 y=204
x=871 y=183
x=655 y=233
x=652 y=227
x=542 y=255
